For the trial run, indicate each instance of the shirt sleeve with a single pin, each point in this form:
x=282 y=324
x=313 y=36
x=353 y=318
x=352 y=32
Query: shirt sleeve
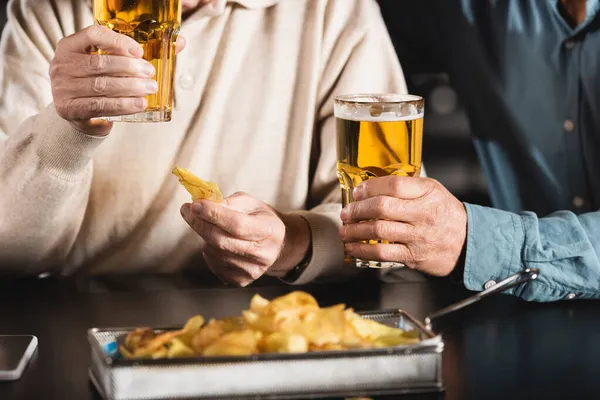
x=563 y=246
x=358 y=58
x=45 y=164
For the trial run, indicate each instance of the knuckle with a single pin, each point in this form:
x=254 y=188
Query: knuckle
x=382 y=203
x=120 y=41
x=417 y=254
x=97 y=63
x=92 y=32
x=432 y=212
x=381 y=229
x=54 y=69
x=221 y=243
x=238 y=228
x=381 y=252
x=96 y=106
x=396 y=186
x=99 y=84
x=212 y=215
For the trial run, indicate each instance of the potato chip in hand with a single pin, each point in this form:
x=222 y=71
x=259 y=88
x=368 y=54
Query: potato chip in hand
x=199 y=189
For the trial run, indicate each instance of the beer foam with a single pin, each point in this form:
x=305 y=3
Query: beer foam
x=363 y=113
x=384 y=117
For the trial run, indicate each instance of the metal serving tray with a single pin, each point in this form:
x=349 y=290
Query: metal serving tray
x=401 y=369
x=407 y=368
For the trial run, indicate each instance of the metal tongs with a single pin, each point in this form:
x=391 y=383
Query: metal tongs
x=520 y=277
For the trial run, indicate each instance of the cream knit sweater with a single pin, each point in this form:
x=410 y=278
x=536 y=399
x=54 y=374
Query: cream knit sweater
x=253 y=112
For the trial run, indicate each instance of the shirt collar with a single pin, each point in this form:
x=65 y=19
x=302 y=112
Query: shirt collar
x=218 y=6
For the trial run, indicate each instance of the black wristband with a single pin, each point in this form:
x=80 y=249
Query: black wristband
x=295 y=273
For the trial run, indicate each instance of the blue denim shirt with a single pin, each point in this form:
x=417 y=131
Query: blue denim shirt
x=531 y=86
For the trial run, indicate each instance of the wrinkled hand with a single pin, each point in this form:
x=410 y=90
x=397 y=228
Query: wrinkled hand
x=426 y=224
x=246 y=238
x=87 y=86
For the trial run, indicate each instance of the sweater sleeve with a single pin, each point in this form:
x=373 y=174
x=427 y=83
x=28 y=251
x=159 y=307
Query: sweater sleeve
x=358 y=57
x=45 y=164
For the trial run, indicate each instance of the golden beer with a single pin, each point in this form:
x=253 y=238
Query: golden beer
x=377 y=135
x=154 y=24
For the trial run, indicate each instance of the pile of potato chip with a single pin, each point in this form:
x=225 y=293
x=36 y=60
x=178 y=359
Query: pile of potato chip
x=293 y=323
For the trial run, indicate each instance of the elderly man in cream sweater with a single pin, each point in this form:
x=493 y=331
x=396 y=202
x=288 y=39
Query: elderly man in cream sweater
x=254 y=91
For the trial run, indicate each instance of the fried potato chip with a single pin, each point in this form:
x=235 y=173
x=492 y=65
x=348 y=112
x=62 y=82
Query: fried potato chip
x=281 y=342
x=179 y=349
x=199 y=189
x=139 y=338
x=258 y=304
x=236 y=343
x=293 y=323
x=191 y=328
x=207 y=335
x=291 y=300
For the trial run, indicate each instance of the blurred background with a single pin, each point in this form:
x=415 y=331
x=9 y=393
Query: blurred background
x=447 y=149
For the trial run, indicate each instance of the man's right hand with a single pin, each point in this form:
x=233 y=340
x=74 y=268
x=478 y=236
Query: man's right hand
x=87 y=86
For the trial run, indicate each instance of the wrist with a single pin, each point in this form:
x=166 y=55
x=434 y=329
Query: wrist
x=457 y=274
x=296 y=245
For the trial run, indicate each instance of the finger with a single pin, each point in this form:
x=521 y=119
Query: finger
x=95 y=107
x=225 y=242
x=381 y=252
x=238 y=224
x=243 y=202
x=230 y=268
x=108 y=86
x=97 y=37
x=402 y=187
x=85 y=65
x=380 y=207
x=391 y=231
x=180 y=44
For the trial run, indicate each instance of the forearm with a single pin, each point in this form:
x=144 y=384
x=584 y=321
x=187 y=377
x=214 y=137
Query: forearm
x=45 y=175
x=565 y=248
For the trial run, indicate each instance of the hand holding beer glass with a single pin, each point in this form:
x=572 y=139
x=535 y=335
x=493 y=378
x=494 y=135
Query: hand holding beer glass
x=154 y=24
x=377 y=135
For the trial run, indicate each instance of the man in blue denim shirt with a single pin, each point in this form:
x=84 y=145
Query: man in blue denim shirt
x=529 y=74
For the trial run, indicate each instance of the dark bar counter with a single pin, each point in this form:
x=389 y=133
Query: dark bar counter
x=499 y=348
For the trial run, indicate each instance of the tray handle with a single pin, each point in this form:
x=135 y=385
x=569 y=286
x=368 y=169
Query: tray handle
x=520 y=277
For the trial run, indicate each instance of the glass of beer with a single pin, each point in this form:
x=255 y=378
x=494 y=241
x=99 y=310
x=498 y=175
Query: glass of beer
x=377 y=135
x=154 y=24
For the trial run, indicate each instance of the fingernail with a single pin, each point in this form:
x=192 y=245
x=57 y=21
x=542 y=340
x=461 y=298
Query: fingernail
x=136 y=50
x=358 y=192
x=344 y=213
x=185 y=210
x=197 y=208
x=152 y=86
x=147 y=68
x=140 y=103
x=342 y=232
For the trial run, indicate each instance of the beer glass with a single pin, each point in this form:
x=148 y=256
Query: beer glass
x=154 y=24
x=377 y=135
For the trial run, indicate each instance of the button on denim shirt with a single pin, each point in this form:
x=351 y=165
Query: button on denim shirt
x=531 y=86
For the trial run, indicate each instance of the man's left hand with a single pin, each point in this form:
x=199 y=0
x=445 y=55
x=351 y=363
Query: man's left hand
x=246 y=238
x=426 y=224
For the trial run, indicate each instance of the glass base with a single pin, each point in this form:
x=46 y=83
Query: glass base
x=146 y=116
x=358 y=263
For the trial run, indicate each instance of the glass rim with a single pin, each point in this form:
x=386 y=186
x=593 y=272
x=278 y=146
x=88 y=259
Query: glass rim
x=386 y=98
